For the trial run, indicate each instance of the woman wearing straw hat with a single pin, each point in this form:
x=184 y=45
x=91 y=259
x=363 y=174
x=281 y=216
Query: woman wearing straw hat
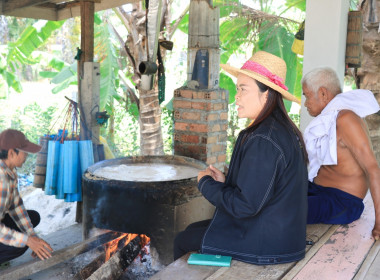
x=261 y=205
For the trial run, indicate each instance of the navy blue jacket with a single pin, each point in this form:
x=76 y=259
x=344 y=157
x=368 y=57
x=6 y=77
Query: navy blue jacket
x=261 y=209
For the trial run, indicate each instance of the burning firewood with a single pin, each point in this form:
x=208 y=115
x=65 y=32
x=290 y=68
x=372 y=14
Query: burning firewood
x=116 y=265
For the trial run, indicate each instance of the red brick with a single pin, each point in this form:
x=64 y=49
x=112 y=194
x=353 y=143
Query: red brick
x=215 y=127
x=201 y=106
x=216 y=148
x=211 y=160
x=214 y=95
x=211 y=140
x=199 y=95
x=222 y=158
x=224 y=116
x=187 y=94
x=181 y=104
x=196 y=150
x=212 y=117
x=191 y=116
x=181 y=126
x=198 y=127
x=190 y=139
x=217 y=106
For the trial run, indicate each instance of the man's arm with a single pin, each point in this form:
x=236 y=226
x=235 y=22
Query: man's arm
x=353 y=133
x=19 y=214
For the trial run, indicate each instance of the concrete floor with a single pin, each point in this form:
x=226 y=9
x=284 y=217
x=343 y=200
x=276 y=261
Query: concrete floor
x=58 y=240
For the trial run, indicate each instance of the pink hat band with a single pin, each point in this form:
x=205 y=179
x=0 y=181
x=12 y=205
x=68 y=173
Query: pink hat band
x=259 y=69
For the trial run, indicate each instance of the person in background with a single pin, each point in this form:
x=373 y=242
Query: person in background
x=16 y=224
x=342 y=163
x=261 y=205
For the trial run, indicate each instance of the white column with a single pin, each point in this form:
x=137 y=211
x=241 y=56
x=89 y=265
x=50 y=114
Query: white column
x=325 y=40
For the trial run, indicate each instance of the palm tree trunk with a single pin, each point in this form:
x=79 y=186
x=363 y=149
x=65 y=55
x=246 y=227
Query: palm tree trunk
x=151 y=142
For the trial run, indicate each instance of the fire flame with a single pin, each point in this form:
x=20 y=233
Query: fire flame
x=122 y=241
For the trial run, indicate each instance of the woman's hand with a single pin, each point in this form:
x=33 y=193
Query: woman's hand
x=215 y=173
x=203 y=173
x=39 y=247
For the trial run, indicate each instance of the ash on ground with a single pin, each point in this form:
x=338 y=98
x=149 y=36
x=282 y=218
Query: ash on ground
x=144 y=266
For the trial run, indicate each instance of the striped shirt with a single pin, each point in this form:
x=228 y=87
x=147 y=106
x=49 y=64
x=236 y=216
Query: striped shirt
x=11 y=203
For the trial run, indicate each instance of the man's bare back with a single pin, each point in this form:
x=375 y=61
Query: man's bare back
x=348 y=175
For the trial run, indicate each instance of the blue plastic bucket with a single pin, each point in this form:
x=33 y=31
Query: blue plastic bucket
x=60 y=194
x=71 y=165
x=52 y=166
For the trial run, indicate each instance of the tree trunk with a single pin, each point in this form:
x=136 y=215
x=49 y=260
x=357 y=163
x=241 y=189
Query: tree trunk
x=369 y=73
x=151 y=142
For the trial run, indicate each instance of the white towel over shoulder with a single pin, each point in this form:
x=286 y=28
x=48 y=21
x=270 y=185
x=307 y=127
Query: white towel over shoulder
x=320 y=134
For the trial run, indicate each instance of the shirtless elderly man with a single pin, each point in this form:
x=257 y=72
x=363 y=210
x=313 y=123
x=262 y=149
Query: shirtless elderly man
x=342 y=164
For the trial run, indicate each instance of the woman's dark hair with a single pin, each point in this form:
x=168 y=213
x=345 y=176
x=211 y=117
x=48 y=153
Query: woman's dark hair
x=275 y=100
x=4 y=153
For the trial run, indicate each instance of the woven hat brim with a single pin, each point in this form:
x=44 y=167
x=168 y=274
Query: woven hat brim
x=235 y=71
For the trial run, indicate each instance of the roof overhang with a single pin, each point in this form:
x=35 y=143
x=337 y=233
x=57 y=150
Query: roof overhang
x=53 y=9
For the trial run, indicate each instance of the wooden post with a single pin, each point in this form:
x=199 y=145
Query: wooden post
x=88 y=83
x=87 y=47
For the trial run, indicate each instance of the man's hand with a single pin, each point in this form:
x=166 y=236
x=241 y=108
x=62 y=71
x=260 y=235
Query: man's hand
x=376 y=231
x=39 y=247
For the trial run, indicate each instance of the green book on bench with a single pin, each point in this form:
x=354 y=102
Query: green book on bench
x=214 y=260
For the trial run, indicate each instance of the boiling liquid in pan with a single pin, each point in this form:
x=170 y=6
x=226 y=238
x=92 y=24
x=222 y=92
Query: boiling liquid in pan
x=147 y=172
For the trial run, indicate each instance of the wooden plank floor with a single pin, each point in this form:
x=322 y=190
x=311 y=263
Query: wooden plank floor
x=339 y=252
x=344 y=252
x=238 y=270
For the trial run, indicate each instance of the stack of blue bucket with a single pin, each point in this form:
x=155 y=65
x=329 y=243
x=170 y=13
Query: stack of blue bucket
x=66 y=164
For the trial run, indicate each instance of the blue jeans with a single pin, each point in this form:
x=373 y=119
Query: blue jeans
x=332 y=206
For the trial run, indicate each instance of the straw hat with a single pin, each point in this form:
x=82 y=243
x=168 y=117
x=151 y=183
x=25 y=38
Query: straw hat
x=267 y=69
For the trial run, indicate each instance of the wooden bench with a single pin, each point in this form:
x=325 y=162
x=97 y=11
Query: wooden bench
x=339 y=252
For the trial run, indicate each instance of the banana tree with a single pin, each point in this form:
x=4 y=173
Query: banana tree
x=243 y=28
x=16 y=54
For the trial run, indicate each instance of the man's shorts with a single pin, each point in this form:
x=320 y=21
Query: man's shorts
x=332 y=206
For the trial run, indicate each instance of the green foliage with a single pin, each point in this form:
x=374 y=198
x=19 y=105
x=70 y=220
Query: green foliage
x=127 y=140
x=34 y=122
x=167 y=121
x=31 y=39
x=277 y=40
x=234 y=33
x=184 y=24
x=228 y=85
x=17 y=54
x=107 y=53
x=298 y=4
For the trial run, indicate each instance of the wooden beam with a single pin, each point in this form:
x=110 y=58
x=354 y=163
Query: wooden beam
x=73 y=10
x=49 y=10
x=10 y=5
x=59 y=256
x=35 y=12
